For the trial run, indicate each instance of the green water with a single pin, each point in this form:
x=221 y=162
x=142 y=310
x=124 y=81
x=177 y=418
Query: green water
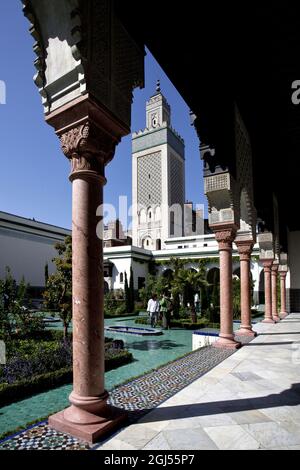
x=148 y=352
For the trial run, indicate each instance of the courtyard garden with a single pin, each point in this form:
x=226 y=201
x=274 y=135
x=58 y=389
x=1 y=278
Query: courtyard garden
x=39 y=358
x=36 y=379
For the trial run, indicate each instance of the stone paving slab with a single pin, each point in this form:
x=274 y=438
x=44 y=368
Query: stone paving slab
x=138 y=397
x=249 y=401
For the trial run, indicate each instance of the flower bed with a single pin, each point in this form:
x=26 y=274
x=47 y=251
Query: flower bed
x=35 y=366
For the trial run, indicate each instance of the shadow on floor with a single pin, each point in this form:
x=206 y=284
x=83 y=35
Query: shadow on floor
x=290 y=397
x=279 y=343
x=289 y=321
x=152 y=345
x=283 y=333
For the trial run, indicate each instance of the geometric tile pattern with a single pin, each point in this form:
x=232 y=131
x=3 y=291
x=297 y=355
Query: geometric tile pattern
x=149 y=391
x=138 y=397
x=149 y=165
x=41 y=437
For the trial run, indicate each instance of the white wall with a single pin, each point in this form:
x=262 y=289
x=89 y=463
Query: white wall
x=26 y=257
x=139 y=270
x=121 y=265
x=294 y=259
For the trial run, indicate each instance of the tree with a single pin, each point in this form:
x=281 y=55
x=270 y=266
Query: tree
x=6 y=327
x=236 y=298
x=127 y=295
x=15 y=317
x=150 y=287
x=131 y=290
x=187 y=283
x=58 y=293
x=175 y=264
x=46 y=273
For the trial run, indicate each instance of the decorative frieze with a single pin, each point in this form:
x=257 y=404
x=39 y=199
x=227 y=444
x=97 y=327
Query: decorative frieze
x=265 y=241
x=86 y=51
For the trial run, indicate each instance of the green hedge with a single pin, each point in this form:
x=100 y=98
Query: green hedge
x=123 y=357
x=40 y=383
x=117 y=315
x=24 y=388
x=182 y=323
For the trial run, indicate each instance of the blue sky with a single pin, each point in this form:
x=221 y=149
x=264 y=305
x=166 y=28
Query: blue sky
x=34 y=173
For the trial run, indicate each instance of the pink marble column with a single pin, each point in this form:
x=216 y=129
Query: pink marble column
x=245 y=250
x=267 y=264
x=283 y=312
x=89 y=416
x=225 y=237
x=274 y=271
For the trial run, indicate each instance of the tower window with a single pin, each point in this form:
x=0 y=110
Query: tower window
x=121 y=278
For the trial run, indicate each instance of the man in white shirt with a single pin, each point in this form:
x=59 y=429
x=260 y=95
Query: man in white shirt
x=153 y=309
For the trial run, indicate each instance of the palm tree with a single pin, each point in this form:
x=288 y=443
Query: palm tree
x=187 y=283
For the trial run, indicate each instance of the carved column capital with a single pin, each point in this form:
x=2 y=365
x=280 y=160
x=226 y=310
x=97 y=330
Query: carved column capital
x=88 y=148
x=282 y=274
x=245 y=249
x=225 y=237
x=267 y=264
x=274 y=269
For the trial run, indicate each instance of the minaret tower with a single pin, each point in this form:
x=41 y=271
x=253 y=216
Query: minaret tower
x=158 y=177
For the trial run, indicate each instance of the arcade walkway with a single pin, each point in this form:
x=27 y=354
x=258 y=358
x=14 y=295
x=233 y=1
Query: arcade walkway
x=249 y=401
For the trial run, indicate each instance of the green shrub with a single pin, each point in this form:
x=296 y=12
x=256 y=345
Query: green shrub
x=24 y=388
x=117 y=359
x=40 y=383
x=182 y=323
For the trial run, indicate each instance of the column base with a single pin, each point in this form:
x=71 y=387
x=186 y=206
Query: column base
x=269 y=320
x=226 y=343
x=246 y=332
x=283 y=315
x=276 y=318
x=94 y=426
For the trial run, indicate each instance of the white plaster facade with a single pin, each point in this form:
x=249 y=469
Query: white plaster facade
x=158 y=182
x=26 y=246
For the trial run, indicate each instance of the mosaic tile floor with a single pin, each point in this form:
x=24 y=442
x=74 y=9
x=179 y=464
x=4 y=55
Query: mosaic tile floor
x=139 y=397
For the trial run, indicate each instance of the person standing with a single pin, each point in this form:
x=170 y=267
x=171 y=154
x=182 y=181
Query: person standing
x=165 y=308
x=153 y=309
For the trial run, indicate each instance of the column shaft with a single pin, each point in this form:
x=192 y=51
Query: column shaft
x=268 y=292
x=274 y=271
x=283 y=312
x=226 y=337
x=88 y=319
x=89 y=415
x=245 y=249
